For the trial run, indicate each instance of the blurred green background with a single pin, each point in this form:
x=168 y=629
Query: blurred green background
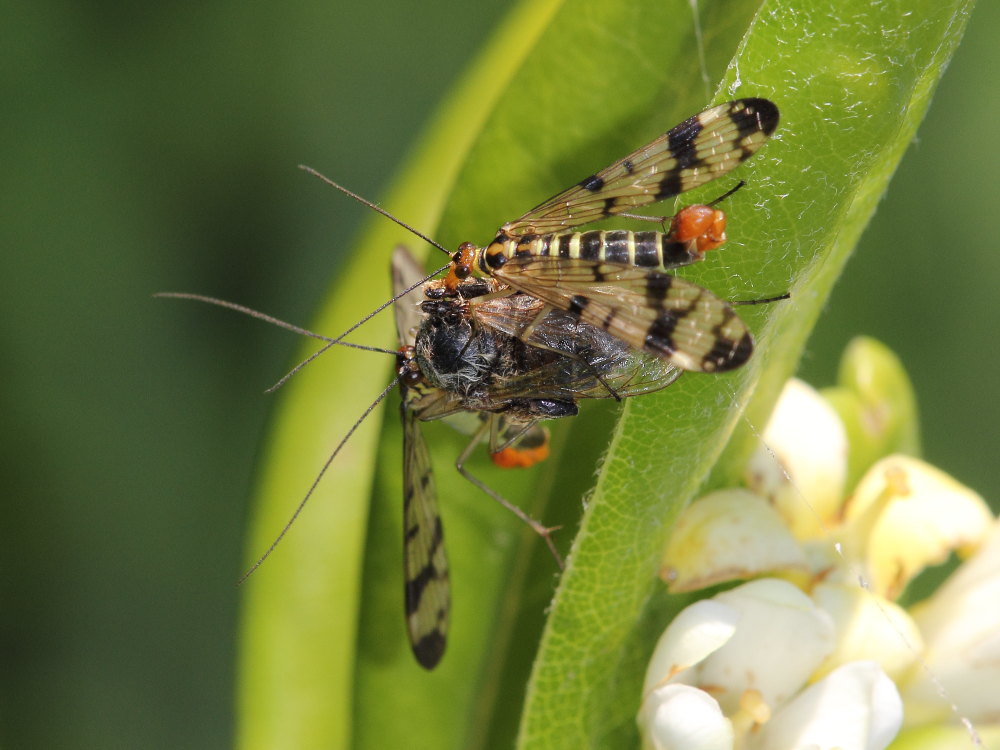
x=154 y=148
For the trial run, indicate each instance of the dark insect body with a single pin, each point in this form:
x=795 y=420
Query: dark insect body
x=522 y=329
x=458 y=360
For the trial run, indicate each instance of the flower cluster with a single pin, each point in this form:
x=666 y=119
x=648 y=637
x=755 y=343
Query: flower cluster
x=815 y=651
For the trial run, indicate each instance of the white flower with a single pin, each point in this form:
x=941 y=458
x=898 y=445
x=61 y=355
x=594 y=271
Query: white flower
x=855 y=706
x=905 y=515
x=868 y=627
x=961 y=626
x=729 y=534
x=812 y=661
x=801 y=464
x=685 y=718
x=733 y=672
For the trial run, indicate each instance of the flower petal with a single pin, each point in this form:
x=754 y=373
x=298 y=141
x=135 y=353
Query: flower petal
x=917 y=515
x=781 y=638
x=699 y=630
x=806 y=441
x=727 y=535
x=680 y=717
x=961 y=626
x=868 y=627
x=855 y=707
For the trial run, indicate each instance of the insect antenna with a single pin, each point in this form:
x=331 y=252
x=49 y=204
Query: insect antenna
x=365 y=319
x=287 y=326
x=268 y=319
x=312 y=488
x=375 y=208
x=330 y=342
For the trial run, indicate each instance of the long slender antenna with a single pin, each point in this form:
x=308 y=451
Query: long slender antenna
x=316 y=481
x=270 y=319
x=369 y=316
x=373 y=207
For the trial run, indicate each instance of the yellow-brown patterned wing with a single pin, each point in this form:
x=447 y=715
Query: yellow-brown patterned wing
x=425 y=565
x=650 y=310
x=700 y=149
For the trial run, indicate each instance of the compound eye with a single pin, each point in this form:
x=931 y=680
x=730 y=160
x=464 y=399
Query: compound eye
x=462 y=271
x=410 y=377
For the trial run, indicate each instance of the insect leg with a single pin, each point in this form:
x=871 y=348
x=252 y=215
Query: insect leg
x=525 y=333
x=763 y=300
x=529 y=330
x=663 y=219
x=504 y=433
x=542 y=531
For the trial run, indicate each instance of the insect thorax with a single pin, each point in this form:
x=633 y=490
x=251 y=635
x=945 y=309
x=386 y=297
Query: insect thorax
x=469 y=360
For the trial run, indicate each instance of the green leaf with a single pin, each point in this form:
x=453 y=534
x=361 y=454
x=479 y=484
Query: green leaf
x=852 y=84
x=563 y=89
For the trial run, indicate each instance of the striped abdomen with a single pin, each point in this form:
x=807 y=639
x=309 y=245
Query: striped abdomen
x=652 y=250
